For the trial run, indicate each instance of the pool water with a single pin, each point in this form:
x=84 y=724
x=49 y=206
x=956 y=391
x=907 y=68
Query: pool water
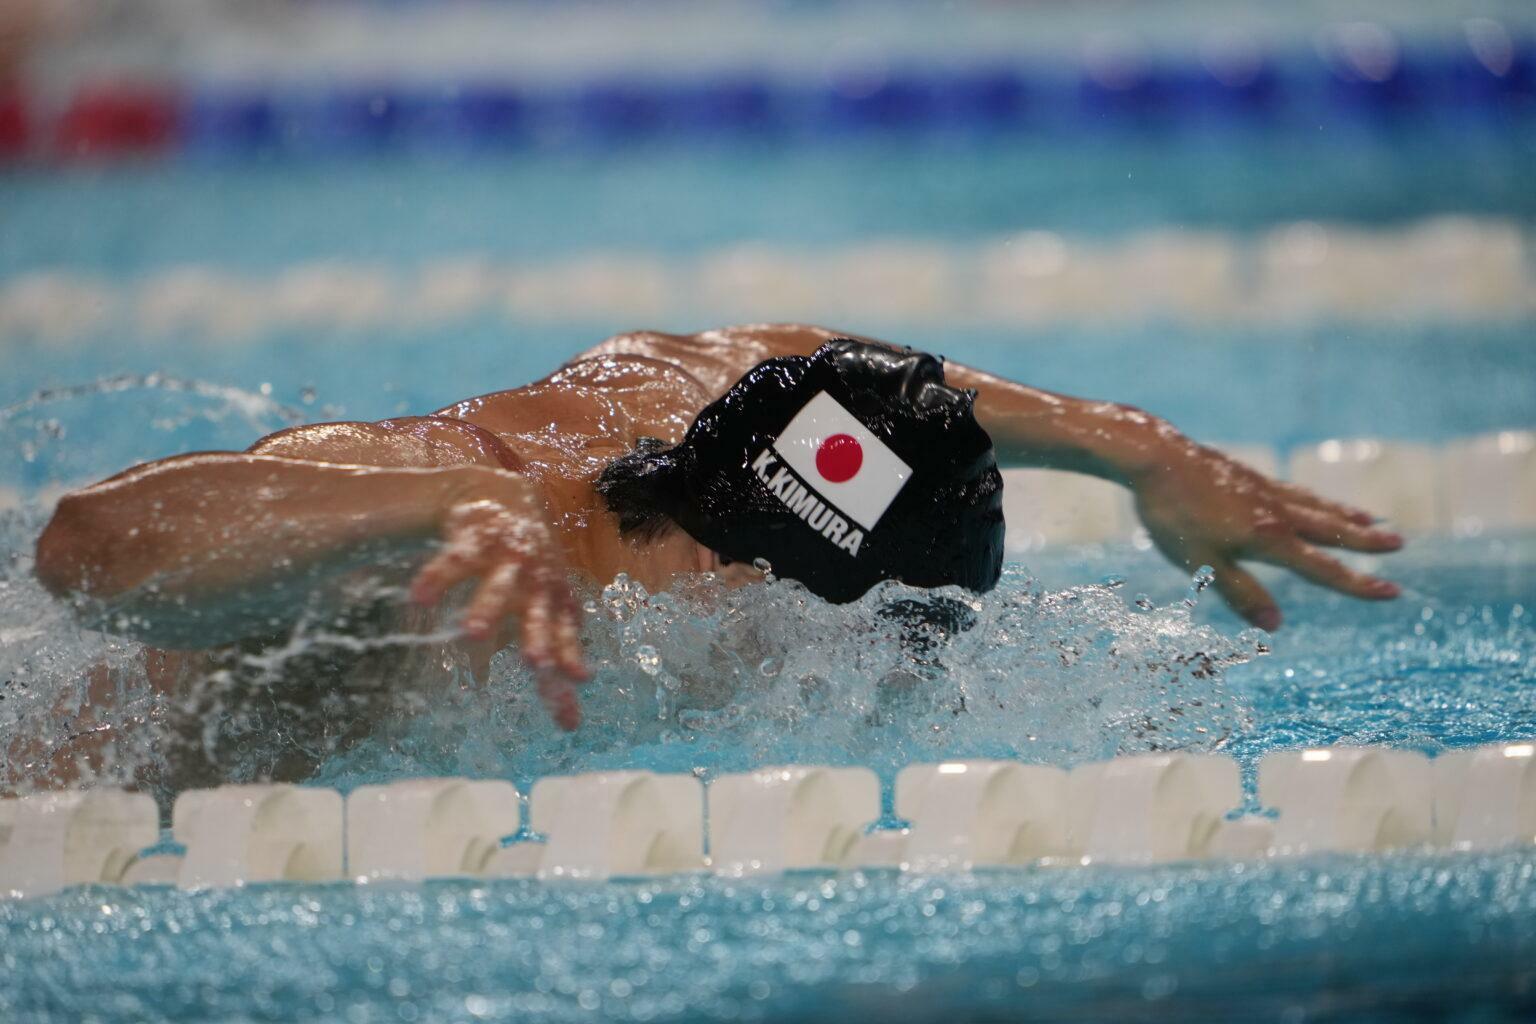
x=1398 y=939
x=676 y=198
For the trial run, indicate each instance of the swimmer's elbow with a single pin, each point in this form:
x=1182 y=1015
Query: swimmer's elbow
x=59 y=567
x=73 y=553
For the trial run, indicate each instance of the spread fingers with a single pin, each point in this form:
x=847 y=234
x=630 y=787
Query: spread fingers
x=492 y=601
x=1325 y=570
x=451 y=565
x=1307 y=499
x=538 y=625
x=1335 y=531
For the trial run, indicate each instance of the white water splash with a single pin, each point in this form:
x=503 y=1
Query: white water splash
x=708 y=679
x=58 y=438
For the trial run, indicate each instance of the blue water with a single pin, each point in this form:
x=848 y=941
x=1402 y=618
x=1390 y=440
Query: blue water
x=683 y=198
x=1402 y=939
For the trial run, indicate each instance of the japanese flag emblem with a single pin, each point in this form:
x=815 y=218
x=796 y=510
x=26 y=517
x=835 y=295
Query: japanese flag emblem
x=842 y=460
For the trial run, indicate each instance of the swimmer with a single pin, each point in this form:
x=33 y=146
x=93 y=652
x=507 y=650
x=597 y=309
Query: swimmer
x=838 y=461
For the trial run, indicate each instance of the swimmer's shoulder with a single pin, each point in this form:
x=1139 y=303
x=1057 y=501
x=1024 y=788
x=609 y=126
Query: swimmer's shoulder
x=640 y=383
x=715 y=358
x=598 y=400
x=628 y=373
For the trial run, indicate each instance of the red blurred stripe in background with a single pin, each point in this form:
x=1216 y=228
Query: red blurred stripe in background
x=14 y=123
x=118 y=120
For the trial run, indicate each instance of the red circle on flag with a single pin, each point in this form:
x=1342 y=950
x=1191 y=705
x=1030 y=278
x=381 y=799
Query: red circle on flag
x=839 y=458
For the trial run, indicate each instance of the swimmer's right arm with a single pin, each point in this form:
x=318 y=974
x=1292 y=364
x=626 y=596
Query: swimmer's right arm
x=199 y=550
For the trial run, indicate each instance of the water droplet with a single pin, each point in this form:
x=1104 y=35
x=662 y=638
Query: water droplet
x=1203 y=578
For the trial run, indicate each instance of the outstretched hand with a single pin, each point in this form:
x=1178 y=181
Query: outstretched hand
x=521 y=571
x=1203 y=508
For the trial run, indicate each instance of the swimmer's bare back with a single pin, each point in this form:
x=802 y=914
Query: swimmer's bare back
x=497 y=493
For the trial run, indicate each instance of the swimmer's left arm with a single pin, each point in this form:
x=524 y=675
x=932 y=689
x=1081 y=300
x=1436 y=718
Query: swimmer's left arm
x=1200 y=507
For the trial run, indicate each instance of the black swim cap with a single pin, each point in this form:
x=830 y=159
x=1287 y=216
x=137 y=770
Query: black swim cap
x=853 y=465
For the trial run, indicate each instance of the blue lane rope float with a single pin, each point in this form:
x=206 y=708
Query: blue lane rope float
x=1453 y=84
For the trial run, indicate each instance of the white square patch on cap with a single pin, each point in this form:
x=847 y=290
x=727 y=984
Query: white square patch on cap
x=842 y=460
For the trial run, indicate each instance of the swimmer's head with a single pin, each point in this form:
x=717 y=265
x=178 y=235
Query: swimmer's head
x=853 y=465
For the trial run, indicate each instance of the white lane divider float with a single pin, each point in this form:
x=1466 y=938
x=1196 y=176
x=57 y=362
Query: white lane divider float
x=1047 y=507
x=1440 y=267
x=967 y=814
x=1248 y=837
x=428 y=828
x=616 y=824
x=515 y=860
x=1398 y=481
x=154 y=869
x=50 y=841
x=1150 y=808
x=1143 y=809
x=779 y=819
x=237 y=835
x=1489 y=482
x=1347 y=799
x=1486 y=797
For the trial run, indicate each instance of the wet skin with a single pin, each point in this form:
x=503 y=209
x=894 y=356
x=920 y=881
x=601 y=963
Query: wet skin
x=494 y=495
